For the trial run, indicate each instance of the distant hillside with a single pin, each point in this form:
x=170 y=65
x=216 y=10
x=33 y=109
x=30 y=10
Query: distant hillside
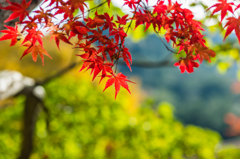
x=201 y=98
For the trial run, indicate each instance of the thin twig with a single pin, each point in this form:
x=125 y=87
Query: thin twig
x=149 y=64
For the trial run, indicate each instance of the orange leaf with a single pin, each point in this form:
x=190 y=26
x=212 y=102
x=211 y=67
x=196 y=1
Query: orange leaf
x=203 y=52
x=35 y=50
x=59 y=36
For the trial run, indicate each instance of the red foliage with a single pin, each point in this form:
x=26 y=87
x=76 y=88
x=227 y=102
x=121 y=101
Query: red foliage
x=182 y=30
x=234 y=124
x=223 y=7
x=118 y=80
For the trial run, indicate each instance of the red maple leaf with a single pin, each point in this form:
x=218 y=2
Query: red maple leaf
x=118 y=80
x=203 y=52
x=142 y=18
x=122 y=20
x=11 y=33
x=66 y=9
x=223 y=7
x=131 y=3
x=41 y=14
x=33 y=36
x=96 y=64
x=160 y=8
x=108 y=24
x=19 y=10
x=127 y=56
x=233 y=24
x=35 y=50
x=29 y=24
x=109 y=1
x=95 y=22
x=77 y=4
x=187 y=64
x=74 y=26
x=59 y=36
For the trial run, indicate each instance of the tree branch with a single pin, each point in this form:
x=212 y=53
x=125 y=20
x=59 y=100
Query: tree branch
x=149 y=64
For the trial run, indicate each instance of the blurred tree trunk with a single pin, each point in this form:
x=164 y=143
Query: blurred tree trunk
x=29 y=121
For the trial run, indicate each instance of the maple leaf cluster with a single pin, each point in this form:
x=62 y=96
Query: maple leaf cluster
x=233 y=22
x=101 y=52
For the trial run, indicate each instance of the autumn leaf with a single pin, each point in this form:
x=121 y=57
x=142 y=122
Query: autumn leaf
x=109 y=1
x=59 y=36
x=131 y=3
x=203 y=53
x=122 y=20
x=108 y=24
x=30 y=24
x=34 y=35
x=11 y=33
x=233 y=24
x=66 y=9
x=72 y=26
x=93 y=23
x=142 y=18
x=127 y=57
x=187 y=64
x=223 y=7
x=41 y=14
x=119 y=80
x=77 y=4
x=35 y=50
x=160 y=8
x=19 y=10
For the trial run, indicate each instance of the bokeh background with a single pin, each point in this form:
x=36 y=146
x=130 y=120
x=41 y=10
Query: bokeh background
x=169 y=115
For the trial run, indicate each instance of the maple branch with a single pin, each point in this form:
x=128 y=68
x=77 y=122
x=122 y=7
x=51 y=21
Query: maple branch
x=168 y=48
x=131 y=21
x=97 y=6
x=135 y=11
x=148 y=64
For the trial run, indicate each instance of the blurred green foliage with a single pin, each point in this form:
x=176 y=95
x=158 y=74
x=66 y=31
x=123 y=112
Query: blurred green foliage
x=230 y=152
x=86 y=123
